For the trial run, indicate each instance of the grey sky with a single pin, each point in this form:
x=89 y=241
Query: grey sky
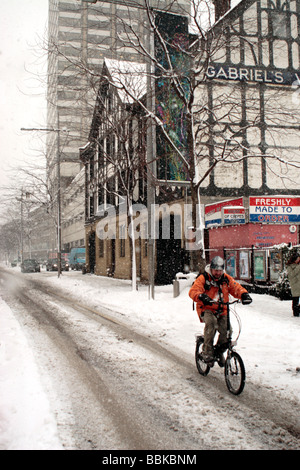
x=22 y=95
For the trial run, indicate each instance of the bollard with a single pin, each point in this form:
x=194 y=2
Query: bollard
x=176 y=288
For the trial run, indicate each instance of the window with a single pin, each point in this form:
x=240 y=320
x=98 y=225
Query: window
x=101 y=244
x=100 y=196
x=145 y=248
x=92 y=169
x=122 y=240
x=279 y=21
x=145 y=237
x=101 y=248
x=111 y=190
x=92 y=207
x=101 y=154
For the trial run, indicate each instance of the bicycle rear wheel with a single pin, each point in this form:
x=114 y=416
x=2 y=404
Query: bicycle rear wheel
x=235 y=374
x=203 y=367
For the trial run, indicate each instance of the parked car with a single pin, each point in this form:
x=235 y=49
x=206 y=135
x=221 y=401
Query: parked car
x=30 y=266
x=77 y=258
x=14 y=263
x=52 y=265
x=65 y=265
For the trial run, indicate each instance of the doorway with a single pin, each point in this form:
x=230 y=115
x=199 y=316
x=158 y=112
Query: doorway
x=169 y=254
x=92 y=252
x=111 y=257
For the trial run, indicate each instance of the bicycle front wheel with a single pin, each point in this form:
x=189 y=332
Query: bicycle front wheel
x=235 y=375
x=202 y=367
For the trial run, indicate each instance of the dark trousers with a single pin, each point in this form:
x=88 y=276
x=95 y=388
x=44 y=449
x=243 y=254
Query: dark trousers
x=212 y=325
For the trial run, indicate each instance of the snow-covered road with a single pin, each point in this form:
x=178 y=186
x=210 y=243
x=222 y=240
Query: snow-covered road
x=118 y=369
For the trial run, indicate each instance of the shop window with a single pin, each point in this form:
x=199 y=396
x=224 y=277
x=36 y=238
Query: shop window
x=260 y=266
x=244 y=265
x=231 y=258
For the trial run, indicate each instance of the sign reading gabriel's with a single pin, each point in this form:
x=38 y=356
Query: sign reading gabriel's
x=252 y=74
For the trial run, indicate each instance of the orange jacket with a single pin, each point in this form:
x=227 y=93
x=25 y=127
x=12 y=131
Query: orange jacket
x=227 y=285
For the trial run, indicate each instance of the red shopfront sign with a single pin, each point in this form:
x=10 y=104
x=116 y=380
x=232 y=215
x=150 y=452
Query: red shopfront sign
x=213 y=212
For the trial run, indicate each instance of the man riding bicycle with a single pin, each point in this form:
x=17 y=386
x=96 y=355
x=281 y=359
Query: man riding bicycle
x=208 y=290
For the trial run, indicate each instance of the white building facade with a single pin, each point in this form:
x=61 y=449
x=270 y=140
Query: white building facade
x=249 y=102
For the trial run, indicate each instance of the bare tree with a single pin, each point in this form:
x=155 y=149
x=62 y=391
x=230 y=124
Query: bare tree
x=28 y=207
x=9 y=240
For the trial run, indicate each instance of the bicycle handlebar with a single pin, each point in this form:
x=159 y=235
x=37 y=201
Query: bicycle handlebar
x=219 y=302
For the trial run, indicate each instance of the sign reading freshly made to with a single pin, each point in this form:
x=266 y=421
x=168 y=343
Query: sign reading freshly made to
x=252 y=74
x=274 y=209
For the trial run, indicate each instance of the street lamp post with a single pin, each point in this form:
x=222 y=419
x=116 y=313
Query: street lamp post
x=21 y=200
x=58 y=131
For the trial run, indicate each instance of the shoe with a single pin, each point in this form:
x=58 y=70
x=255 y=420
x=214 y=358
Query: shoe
x=209 y=360
x=221 y=360
x=296 y=311
x=219 y=354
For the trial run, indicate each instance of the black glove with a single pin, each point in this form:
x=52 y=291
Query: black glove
x=246 y=299
x=206 y=299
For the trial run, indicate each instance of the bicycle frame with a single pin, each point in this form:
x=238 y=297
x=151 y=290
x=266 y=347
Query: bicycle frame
x=231 y=343
x=234 y=370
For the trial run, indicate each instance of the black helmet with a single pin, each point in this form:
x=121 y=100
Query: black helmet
x=217 y=263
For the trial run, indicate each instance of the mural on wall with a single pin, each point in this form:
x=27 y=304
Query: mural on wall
x=169 y=106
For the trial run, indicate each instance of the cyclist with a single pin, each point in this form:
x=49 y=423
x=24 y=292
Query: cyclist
x=209 y=288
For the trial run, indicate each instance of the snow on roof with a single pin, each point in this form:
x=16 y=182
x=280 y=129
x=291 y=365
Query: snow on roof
x=129 y=78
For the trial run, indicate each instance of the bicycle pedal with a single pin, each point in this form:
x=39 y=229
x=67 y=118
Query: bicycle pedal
x=210 y=362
